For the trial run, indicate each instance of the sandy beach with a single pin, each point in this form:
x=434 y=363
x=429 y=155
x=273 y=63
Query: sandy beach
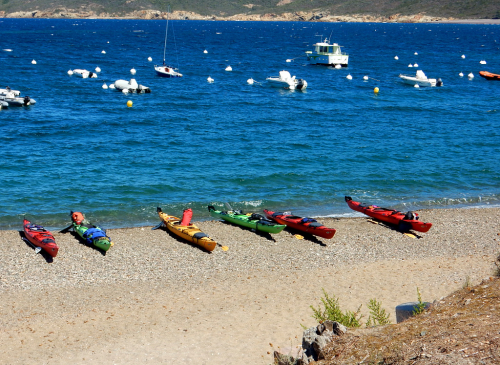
x=155 y=299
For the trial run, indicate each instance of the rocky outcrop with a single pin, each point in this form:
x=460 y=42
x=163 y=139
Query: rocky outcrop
x=314 y=341
x=316 y=16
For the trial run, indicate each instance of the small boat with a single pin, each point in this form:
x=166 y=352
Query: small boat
x=327 y=54
x=404 y=221
x=165 y=70
x=9 y=97
x=285 y=80
x=90 y=233
x=304 y=224
x=489 y=76
x=131 y=86
x=249 y=220
x=420 y=79
x=84 y=74
x=40 y=237
x=186 y=230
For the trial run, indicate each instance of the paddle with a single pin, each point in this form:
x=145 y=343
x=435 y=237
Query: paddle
x=157 y=226
x=224 y=248
x=229 y=208
x=37 y=249
x=64 y=230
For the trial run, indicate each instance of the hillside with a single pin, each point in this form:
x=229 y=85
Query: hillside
x=306 y=10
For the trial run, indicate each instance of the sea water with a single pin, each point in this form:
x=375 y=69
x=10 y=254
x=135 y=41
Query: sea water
x=191 y=143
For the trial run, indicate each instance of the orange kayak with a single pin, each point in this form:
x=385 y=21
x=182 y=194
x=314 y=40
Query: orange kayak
x=489 y=76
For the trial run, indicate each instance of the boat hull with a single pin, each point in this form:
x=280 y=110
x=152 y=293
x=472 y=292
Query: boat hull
x=390 y=216
x=189 y=233
x=328 y=60
x=489 y=76
x=40 y=237
x=303 y=224
x=166 y=71
x=253 y=221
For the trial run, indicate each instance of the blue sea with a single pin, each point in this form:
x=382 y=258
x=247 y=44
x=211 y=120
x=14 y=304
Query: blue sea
x=190 y=143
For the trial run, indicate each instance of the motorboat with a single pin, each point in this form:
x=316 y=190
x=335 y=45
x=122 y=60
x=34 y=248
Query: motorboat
x=285 y=80
x=489 y=76
x=84 y=74
x=165 y=70
x=420 y=79
x=131 y=87
x=325 y=53
x=14 y=98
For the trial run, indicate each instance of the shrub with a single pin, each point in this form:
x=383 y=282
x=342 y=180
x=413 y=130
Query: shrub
x=378 y=316
x=332 y=311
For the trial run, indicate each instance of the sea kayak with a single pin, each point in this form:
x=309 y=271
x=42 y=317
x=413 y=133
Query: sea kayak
x=90 y=233
x=404 y=221
x=304 y=224
x=189 y=231
x=249 y=220
x=40 y=237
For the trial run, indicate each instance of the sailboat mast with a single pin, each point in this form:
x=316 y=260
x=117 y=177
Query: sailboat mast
x=166 y=33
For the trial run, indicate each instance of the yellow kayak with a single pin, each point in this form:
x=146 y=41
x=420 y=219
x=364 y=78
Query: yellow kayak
x=188 y=232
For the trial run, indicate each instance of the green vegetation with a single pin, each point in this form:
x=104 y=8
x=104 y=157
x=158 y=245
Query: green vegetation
x=474 y=9
x=378 y=315
x=420 y=305
x=332 y=311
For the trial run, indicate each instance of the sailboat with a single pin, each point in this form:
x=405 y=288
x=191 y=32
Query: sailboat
x=166 y=70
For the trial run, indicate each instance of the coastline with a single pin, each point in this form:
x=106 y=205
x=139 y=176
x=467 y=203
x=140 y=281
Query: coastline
x=305 y=16
x=155 y=298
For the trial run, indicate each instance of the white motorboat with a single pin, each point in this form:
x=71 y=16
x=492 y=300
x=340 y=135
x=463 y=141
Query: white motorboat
x=14 y=98
x=165 y=70
x=131 y=86
x=420 y=79
x=327 y=54
x=285 y=80
x=84 y=74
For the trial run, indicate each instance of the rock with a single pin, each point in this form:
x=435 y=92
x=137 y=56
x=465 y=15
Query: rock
x=319 y=345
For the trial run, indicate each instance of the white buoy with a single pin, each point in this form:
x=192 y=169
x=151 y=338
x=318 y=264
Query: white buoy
x=463 y=56
x=125 y=91
x=349 y=77
x=150 y=59
x=104 y=86
x=396 y=57
x=103 y=52
x=33 y=62
x=470 y=76
x=229 y=68
x=112 y=86
x=250 y=81
x=365 y=78
x=461 y=74
x=209 y=79
x=133 y=71
x=205 y=51
x=415 y=65
x=416 y=86
x=338 y=66
x=410 y=65
x=482 y=62
x=70 y=72
x=288 y=60
x=416 y=53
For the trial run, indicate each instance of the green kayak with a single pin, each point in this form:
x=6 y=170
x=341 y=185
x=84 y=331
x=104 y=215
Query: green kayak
x=250 y=220
x=91 y=234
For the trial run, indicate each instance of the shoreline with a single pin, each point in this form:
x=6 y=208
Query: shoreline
x=155 y=298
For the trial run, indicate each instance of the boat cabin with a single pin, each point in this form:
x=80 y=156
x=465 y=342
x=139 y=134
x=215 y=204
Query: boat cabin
x=324 y=47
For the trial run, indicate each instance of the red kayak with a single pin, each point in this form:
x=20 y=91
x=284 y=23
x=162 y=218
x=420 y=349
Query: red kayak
x=304 y=224
x=404 y=221
x=40 y=237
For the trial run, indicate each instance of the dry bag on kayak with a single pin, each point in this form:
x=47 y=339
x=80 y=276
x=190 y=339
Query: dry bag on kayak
x=186 y=217
x=92 y=234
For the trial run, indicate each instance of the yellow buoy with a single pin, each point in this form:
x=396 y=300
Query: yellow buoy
x=129 y=103
x=375 y=90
